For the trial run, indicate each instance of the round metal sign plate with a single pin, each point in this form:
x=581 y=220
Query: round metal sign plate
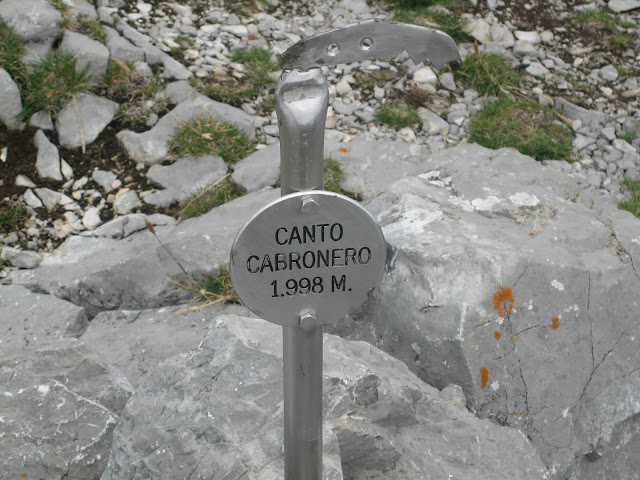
x=312 y=253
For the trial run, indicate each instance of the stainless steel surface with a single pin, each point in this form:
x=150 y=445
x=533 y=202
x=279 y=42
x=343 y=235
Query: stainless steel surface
x=311 y=251
x=301 y=104
x=372 y=40
x=302 y=99
x=302 y=367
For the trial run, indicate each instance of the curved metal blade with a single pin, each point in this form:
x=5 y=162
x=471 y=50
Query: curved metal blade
x=372 y=40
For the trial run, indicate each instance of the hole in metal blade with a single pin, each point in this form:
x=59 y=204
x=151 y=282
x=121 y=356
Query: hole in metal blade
x=333 y=49
x=366 y=43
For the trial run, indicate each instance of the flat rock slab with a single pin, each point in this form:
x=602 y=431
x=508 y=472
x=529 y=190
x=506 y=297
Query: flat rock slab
x=186 y=177
x=11 y=102
x=504 y=279
x=137 y=341
x=370 y=166
x=81 y=121
x=36 y=21
x=59 y=407
x=259 y=170
x=47 y=158
x=379 y=420
x=619 y=6
x=152 y=146
x=26 y=318
x=122 y=266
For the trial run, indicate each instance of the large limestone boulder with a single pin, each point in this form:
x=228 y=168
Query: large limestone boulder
x=216 y=412
x=508 y=278
x=59 y=405
x=36 y=21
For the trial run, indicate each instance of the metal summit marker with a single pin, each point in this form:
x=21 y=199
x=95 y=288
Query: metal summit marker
x=312 y=257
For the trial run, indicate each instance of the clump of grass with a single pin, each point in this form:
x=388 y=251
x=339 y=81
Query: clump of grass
x=92 y=28
x=12 y=214
x=424 y=14
x=333 y=175
x=604 y=21
x=213 y=196
x=524 y=125
x=632 y=205
x=489 y=73
x=210 y=137
x=12 y=49
x=398 y=115
x=52 y=83
x=628 y=136
x=236 y=91
x=219 y=289
x=131 y=89
x=419 y=3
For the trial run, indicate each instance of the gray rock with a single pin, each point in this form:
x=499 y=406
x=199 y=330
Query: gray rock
x=36 y=21
x=591 y=118
x=47 y=158
x=370 y=166
x=91 y=55
x=121 y=49
x=91 y=218
x=24 y=181
x=31 y=199
x=59 y=408
x=20 y=258
x=259 y=170
x=522 y=49
x=582 y=141
x=93 y=114
x=137 y=341
x=41 y=120
x=11 y=102
x=26 y=318
x=126 y=201
x=380 y=420
x=447 y=81
x=187 y=176
x=619 y=6
x=152 y=146
x=100 y=272
x=179 y=91
x=104 y=179
x=558 y=366
x=608 y=73
x=479 y=29
x=537 y=69
x=431 y=123
x=83 y=7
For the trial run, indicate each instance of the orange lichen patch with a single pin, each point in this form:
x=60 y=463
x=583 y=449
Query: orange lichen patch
x=343 y=150
x=497 y=335
x=532 y=234
x=503 y=301
x=24 y=475
x=484 y=377
x=555 y=323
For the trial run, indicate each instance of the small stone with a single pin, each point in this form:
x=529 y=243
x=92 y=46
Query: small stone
x=609 y=73
x=609 y=133
x=24 y=181
x=126 y=201
x=425 y=76
x=582 y=141
x=49 y=197
x=623 y=146
x=48 y=158
x=531 y=37
x=104 y=179
x=66 y=169
x=91 y=218
x=31 y=199
x=522 y=49
x=378 y=92
x=343 y=88
x=80 y=183
x=479 y=29
x=20 y=258
x=537 y=70
x=237 y=30
x=447 y=81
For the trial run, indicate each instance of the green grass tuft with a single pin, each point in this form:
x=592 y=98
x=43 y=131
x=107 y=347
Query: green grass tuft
x=603 y=20
x=12 y=214
x=92 y=28
x=632 y=205
x=489 y=73
x=12 y=49
x=236 y=91
x=438 y=18
x=628 y=136
x=524 y=125
x=333 y=175
x=213 y=196
x=398 y=115
x=52 y=83
x=210 y=137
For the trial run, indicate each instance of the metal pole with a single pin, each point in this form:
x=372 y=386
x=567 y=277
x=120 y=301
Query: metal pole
x=301 y=104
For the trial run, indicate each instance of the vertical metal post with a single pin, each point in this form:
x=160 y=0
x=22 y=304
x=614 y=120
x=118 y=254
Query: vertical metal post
x=302 y=99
